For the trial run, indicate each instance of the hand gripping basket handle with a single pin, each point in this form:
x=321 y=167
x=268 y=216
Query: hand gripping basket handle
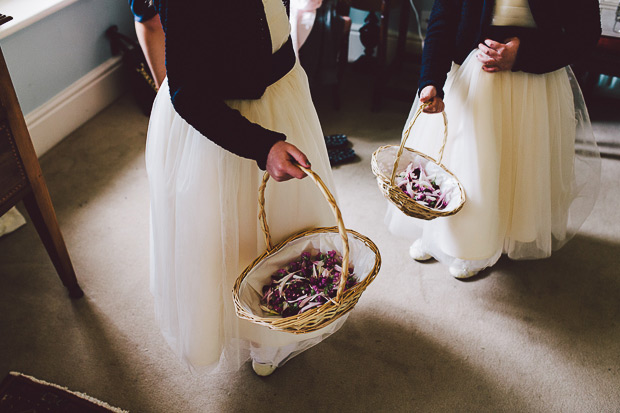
x=406 y=137
x=332 y=203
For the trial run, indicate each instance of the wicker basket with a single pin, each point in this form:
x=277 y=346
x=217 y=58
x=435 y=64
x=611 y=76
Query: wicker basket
x=355 y=249
x=385 y=165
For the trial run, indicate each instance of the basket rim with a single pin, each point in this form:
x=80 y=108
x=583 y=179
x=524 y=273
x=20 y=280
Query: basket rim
x=285 y=323
x=385 y=180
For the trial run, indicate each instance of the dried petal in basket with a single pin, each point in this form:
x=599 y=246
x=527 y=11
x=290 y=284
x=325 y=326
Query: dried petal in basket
x=389 y=160
x=356 y=250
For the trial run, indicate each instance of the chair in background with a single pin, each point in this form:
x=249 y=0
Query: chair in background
x=343 y=56
x=605 y=59
x=21 y=179
x=373 y=35
x=325 y=47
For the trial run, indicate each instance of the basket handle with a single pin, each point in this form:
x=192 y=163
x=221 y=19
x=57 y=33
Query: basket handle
x=332 y=203
x=406 y=137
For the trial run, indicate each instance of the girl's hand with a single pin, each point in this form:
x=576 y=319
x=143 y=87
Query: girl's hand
x=496 y=56
x=282 y=159
x=429 y=94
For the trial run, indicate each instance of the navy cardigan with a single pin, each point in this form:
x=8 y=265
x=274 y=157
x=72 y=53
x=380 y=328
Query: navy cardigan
x=566 y=32
x=218 y=50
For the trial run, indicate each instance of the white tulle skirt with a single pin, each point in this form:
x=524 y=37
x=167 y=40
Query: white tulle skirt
x=522 y=146
x=205 y=229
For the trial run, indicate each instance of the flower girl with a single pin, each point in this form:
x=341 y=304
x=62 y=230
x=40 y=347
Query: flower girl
x=235 y=101
x=520 y=140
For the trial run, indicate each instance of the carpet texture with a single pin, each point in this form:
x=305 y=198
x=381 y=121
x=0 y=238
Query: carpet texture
x=523 y=336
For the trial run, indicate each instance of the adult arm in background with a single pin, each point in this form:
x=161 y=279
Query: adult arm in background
x=194 y=56
x=303 y=13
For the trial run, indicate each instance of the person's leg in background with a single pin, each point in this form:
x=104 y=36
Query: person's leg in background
x=151 y=37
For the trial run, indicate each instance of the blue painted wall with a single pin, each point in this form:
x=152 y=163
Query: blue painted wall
x=53 y=53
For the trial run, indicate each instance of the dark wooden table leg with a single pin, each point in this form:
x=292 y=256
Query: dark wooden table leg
x=401 y=45
x=36 y=197
x=381 y=69
x=39 y=207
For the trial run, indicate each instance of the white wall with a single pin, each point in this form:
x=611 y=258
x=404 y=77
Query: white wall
x=61 y=65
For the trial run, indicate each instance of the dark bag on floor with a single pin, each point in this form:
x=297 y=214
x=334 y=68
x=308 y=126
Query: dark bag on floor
x=136 y=69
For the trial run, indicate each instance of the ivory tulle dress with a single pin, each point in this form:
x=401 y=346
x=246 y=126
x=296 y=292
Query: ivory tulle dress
x=522 y=146
x=204 y=225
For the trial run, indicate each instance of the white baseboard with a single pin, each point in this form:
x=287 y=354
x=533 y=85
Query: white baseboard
x=53 y=121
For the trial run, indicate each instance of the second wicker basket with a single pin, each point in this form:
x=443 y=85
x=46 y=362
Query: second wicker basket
x=389 y=160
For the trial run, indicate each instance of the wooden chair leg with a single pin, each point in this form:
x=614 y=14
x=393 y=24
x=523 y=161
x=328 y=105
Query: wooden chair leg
x=343 y=60
x=377 y=97
x=35 y=195
x=336 y=96
x=39 y=207
x=381 y=72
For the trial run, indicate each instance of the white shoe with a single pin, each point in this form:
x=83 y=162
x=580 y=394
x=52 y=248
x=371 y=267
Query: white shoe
x=417 y=253
x=263 y=369
x=461 y=273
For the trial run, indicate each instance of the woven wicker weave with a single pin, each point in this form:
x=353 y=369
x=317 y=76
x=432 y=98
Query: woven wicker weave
x=385 y=178
x=321 y=316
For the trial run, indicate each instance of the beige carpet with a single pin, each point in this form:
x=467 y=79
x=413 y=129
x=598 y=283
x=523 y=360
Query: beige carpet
x=541 y=336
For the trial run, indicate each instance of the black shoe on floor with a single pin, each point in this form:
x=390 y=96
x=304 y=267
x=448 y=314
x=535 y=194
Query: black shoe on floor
x=334 y=141
x=339 y=156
